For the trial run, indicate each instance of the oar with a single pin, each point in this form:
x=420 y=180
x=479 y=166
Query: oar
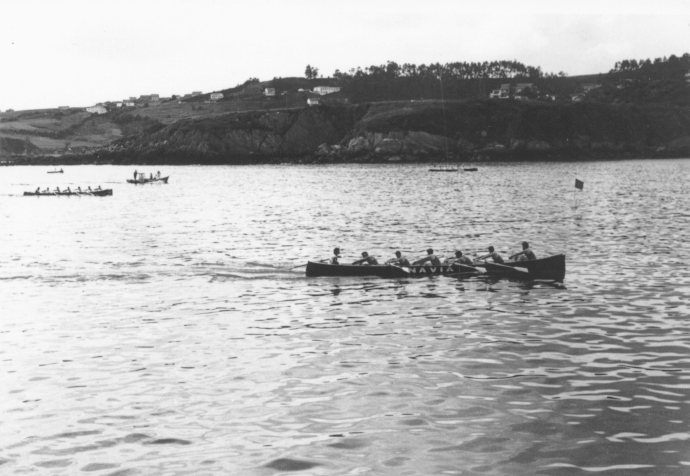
x=303 y=265
x=511 y=269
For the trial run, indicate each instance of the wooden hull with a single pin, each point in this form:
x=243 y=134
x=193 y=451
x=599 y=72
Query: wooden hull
x=384 y=271
x=552 y=268
x=95 y=193
x=140 y=182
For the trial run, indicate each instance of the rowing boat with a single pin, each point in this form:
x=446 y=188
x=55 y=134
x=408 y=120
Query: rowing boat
x=315 y=269
x=154 y=180
x=96 y=193
x=55 y=171
x=550 y=268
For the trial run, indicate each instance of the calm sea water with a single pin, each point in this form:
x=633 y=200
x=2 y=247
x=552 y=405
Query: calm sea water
x=161 y=331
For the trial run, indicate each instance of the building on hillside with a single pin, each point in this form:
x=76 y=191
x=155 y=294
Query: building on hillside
x=97 y=109
x=495 y=94
x=216 y=96
x=313 y=101
x=587 y=87
x=129 y=103
x=153 y=103
x=520 y=87
x=269 y=92
x=687 y=76
x=322 y=90
x=155 y=97
x=197 y=93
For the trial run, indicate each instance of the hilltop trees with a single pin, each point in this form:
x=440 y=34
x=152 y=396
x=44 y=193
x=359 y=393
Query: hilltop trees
x=311 y=73
x=461 y=80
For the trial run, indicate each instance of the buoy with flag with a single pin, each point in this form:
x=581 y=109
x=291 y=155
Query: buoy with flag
x=579 y=185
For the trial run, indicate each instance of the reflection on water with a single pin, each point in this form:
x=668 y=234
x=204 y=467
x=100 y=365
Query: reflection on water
x=162 y=331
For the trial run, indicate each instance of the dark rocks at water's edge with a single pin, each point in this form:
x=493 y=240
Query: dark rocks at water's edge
x=473 y=131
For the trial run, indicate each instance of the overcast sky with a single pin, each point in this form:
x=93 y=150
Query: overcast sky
x=79 y=52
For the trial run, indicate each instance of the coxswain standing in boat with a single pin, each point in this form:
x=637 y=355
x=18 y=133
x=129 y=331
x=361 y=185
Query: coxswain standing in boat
x=493 y=255
x=135 y=175
x=430 y=257
x=399 y=260
x=366 y=260
x=459 y=259
x=526 y=254
x=336 y=256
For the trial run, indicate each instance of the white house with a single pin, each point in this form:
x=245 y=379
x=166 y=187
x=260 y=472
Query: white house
x=97 y=109
x=269 y=92
x=326 y=90
x=196 y=93
x=687 y=76
x=216 y=96
x=313 y=101
x=496 y=93
x=129 y=103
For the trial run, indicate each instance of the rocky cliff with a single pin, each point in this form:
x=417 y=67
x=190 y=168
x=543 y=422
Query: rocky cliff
x=412 y=131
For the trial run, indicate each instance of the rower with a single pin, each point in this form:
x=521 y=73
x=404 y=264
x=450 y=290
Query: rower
x=47 y=190
x=336 y=256
x=366 y=260
x=38 y=190
x=99 y=187
x=57 y=189
x=526 y=254
x=88 y=189
x=493 y=255
x=68 y=190
x=399 y=260
x=430 y=257
x=79 y=189
x=459 y=259
x=158 y=175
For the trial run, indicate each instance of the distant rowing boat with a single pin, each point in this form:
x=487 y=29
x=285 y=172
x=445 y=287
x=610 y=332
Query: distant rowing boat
x=55 y=171
x=96 y=193
x=153 y=180
x=442 y=169
x=551 y=268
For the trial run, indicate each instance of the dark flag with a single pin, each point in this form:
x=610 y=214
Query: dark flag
x=579 y=184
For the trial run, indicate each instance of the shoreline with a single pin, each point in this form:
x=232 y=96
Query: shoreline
x=169 y=159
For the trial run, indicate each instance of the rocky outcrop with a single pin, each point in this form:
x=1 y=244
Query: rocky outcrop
x=391 y=132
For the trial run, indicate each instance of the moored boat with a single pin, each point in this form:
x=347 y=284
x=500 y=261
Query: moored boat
x=95 y=193
x=55 y=171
